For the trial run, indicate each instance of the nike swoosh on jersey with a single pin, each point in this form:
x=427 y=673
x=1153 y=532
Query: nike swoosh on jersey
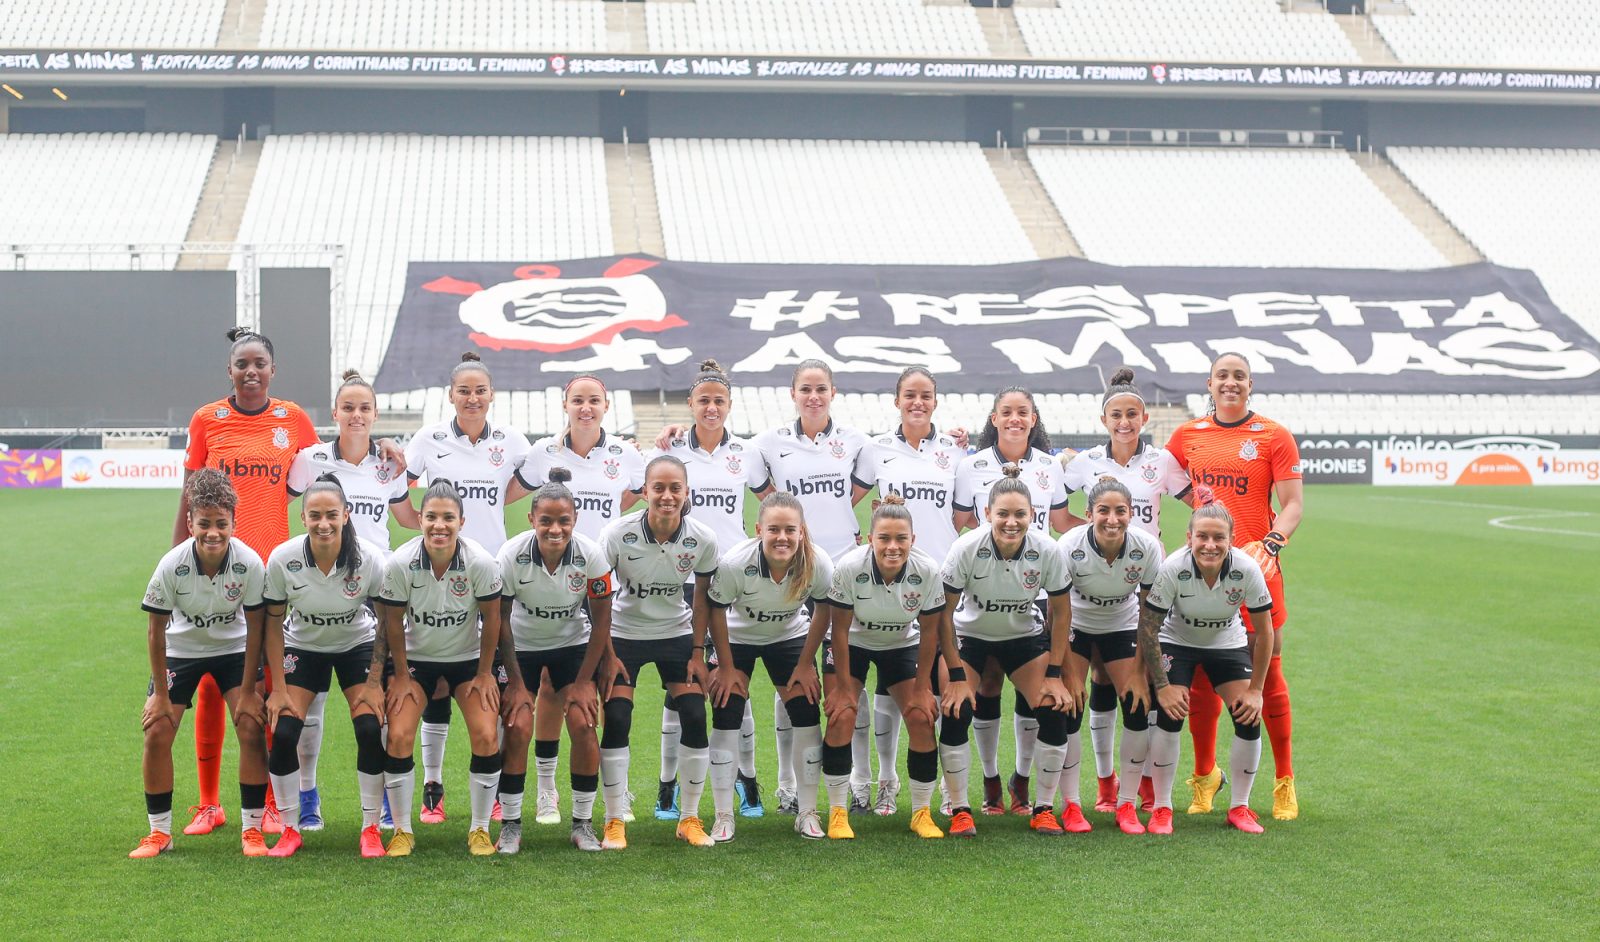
x=784 y=454
x=634 y=559
x=442 y=455
x=976 y=578
x=524 y=581
x=298 y=588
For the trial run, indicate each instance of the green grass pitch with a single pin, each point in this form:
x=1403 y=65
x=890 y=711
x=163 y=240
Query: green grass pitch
x=1444 y=673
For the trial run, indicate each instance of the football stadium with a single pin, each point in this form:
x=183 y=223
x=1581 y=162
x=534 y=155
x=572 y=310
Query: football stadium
x=682 y=469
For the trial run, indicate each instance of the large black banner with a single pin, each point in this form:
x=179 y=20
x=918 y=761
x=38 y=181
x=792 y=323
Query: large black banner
x=1054 y=325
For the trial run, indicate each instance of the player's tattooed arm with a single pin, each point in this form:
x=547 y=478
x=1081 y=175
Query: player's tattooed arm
x=1149 y=645
x=380 y=647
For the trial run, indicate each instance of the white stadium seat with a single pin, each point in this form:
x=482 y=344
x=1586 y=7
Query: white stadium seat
x=394 y=198
x=833 y=201
x=1545 y=34
x=1277 y=207
x=437 y=25
x=110 y=24
x=99 y=188
x=815 y=27
x=1183 y=30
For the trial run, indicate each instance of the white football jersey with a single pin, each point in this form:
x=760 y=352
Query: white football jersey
x=1150 y=473
x=442 y=617
x=207 y=614
x=481 y=472
x=1202 y=616
x=818 y=471
x=327 y=613
x=650 y=575
x=1105 y=596
x=886 y=613
x=978 y=472
x=997 y=592
x=718 y=481
x=547 y=609
x=760 y=610
x=925 y=476
x=599 y=479
x=370 y=486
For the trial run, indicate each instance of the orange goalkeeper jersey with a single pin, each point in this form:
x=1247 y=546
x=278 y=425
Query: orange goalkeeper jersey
x=254 y=449
x=1240 y=461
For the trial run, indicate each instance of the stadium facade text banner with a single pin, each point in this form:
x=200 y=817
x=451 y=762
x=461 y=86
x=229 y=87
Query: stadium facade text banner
x=1057 y=325
x=907 y=73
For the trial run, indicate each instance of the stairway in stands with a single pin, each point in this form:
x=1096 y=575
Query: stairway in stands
x=221 y=208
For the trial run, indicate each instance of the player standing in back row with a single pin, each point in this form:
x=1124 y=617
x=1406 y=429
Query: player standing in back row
x=1245 y=459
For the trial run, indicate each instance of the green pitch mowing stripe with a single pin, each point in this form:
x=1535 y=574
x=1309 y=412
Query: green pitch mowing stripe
x=1444 y=673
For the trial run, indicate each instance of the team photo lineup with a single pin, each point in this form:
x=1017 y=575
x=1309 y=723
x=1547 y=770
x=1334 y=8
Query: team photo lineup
x=987 y=558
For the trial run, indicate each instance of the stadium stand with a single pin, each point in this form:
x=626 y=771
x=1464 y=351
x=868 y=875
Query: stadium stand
x=832 y=201
x=111 y=24
x=395 y=198
x=448 y=25
x=1182 y=30
x=1505 y=33
x=1278 y=207
x=1527 y=208
x=99 y=188
x=824 y=27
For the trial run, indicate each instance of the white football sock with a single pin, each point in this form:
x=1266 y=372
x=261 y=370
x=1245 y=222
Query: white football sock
x=747 y=742
x=955 y=760
x=484 y=787
x=723 y=744
x=310 y=745
x=614 y=780
x=401 y=787
x=1050 y=759
x=693 y=764
x=861 y=750
x=582 y=805
x=785 y=740
x=886 y=736
x=1163 y=763
x=807 y=761
x=986 y=735
x=286 y=792
x=1025 y=729
x=433 y=737
x=161 y=822
x=1244 y=758
x=1135 y=757
x=670 y=732
x=1103 y=738
x=1069 y=785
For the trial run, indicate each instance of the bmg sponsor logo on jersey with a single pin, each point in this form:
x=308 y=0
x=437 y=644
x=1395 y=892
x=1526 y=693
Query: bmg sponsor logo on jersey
x=437 y=619
x=725 y=501
x=932 y=493
x=993 y=607
x=487 y=493
x=651 y=591
x=599 y=505
x=833 y=485
x=1225 y=480
x=236 y=469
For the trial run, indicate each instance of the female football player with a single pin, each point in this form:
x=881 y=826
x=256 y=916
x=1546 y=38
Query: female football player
x=484 y=463
x=252 y=438
x=1147 y=472
x=652 y=554
x=1190 y=622
x=436 y=588
x=886 y=601
x=1111 y=563
x=204 y=603
x=1013 y=434
x=606 y=474
x=376 y=488
x=555 y=632
x=758 y=598
x=320 y=628
x=992 y=577
x=1246 y=459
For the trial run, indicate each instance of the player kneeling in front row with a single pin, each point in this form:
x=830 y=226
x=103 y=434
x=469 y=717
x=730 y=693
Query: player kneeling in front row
x=435 y=588
x=204 y=603
x=991 y=579
x=318 y=626
x=886 y=602
x=1190 y=620
x=551 y=574
x=758 y=610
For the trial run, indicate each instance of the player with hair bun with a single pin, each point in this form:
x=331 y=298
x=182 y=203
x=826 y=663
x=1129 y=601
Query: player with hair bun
x=606 y=474
x=438 y=590
x=375 y=486
x=1246 y=459
x=992 y=577
x=320 y=628
x=555 y=624
x=1190 y=622
x=251 y=438
x=204 y=605
x=722 y=468
x=652 y=554
x=759 y=599
x=484 y=461
x=1147 y=472
x=886 y=603
x=1111 y=563
x=1013 y=433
